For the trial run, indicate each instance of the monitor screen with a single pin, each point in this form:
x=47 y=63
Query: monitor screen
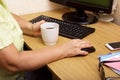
x=80 y=16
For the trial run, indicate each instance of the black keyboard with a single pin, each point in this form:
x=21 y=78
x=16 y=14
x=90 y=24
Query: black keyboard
x=67 y=29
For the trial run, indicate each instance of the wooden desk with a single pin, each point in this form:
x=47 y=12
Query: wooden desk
x=79 y=68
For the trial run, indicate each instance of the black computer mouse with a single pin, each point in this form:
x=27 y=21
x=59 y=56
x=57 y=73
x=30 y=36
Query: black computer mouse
x=89 y=49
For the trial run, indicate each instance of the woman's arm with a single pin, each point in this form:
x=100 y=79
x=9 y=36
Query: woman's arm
x=14 y=61
x=27 y=27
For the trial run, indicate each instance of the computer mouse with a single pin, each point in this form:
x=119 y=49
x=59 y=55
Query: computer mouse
x=89 y=49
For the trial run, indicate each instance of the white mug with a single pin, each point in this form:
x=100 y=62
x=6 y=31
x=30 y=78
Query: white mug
x=49 y=32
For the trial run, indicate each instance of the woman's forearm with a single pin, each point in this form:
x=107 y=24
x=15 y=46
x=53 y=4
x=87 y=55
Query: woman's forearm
x=14 y=61
x=26 y=26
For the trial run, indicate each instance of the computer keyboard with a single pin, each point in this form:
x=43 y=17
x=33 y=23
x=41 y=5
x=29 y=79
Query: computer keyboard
x=67 y=29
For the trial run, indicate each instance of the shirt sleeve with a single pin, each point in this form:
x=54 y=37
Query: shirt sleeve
x=5 y=37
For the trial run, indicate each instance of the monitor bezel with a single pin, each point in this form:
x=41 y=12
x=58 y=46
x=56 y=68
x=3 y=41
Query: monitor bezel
x=93 y=8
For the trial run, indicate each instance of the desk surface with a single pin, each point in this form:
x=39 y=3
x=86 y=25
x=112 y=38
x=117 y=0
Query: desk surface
x=79 y=68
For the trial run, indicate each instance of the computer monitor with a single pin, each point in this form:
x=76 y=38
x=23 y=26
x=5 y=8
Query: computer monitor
x=80 y=16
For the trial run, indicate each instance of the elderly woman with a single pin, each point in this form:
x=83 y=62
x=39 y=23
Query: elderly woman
x=14 y=61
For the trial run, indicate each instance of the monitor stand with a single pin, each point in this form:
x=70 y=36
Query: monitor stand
x=80 y=17
x=105 y=17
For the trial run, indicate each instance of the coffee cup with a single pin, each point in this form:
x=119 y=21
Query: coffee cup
x=49 y=33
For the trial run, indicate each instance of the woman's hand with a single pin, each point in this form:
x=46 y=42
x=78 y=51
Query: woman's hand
x=36 y=27
x=73 y=47
x=27 y=27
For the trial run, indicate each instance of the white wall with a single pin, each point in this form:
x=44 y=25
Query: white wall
x=30 y=6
